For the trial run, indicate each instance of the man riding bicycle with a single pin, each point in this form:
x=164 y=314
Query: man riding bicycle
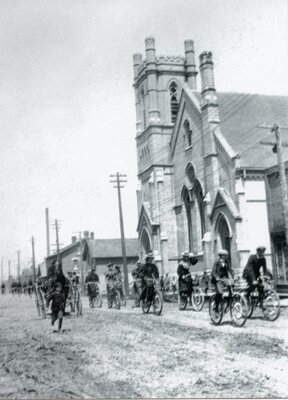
x=185 y=282
x=148 y=271
x=111 y=280
x=222 y=275
x=251 y=272
x=91 y=277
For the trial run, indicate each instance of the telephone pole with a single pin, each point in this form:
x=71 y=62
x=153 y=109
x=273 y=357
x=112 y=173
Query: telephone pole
x=18 y=266
x=2 y=278
x=56 y=226
x=9 y=275
x=278 y=148
x=33 y=259
x=47 y=232
x=118 y=181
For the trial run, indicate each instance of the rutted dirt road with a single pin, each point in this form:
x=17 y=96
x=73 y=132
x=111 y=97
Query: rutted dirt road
x=109 y=353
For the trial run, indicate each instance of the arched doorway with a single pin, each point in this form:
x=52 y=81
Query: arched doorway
x=223 y=236
x=145 y=243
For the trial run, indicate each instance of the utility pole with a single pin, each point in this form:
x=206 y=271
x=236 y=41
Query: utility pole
x=9 y=275
x=18 y=266
x=81 y=261
x=47 y=231
x=278 y=148
x=118 y=181
x=57 y=227
x=33 y=259
x=2 y=278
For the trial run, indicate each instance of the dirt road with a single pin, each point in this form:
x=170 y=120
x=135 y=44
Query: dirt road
x=109 y=353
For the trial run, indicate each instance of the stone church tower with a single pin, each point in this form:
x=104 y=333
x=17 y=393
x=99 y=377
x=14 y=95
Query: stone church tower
x=158 y=85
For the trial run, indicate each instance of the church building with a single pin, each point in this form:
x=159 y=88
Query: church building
x=201 y=166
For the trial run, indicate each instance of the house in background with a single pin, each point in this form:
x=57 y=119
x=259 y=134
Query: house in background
x=70 y=256
x=100 y=252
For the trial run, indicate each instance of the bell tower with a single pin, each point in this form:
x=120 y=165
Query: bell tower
x=158 y=82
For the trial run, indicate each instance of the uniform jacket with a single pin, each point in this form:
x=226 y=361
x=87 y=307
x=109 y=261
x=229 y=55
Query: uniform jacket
x=252 y=268
x=221 y=270
x=185 y=283
x=149 y=270
x=92 y=278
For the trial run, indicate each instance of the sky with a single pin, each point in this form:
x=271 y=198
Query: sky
x=67 y=106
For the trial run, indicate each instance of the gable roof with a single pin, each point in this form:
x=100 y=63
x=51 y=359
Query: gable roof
x=223 y=198
x=239 y=115
x=146 y=216
x=109 y=248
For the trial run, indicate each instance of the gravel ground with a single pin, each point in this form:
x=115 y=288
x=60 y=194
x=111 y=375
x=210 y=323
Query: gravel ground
x=120 y=354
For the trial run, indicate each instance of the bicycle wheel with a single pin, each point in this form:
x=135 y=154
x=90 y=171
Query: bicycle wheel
x=182 y=302
x=215 y=314
x=98 y=300
x=37 y=303
x=238 y=310
x=250 y=304
x=271 y=305
x=146 y=306
x=123 y=300
x=42 y=305
x=157 y=303
x=198 y=299
x=117 y=301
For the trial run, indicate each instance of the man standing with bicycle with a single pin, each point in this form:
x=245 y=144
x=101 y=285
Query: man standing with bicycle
x=251 y=272
x=91 y=277
x=222 y=275
x=148 y=270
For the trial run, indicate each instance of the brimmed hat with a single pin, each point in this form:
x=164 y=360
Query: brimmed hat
x=149 y=255
x=223 y=252
x=261 y=248
x=185 y=254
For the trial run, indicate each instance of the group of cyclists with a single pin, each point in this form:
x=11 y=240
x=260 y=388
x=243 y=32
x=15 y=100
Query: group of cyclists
x=18 y=287
x=222 y=277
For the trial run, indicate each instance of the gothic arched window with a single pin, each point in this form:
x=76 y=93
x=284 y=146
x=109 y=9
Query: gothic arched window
x=174 y=101
x=188 y=133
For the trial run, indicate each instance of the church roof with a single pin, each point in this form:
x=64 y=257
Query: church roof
x=239 y=115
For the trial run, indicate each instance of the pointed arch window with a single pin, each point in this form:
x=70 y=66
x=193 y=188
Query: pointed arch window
x=174 y=101
x=188 y=133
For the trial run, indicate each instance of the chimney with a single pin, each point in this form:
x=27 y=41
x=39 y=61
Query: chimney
x=92 y=235
x=150 y=50
x=190 y=66
x=137 y=61
x=74 y=239
x=86 y=234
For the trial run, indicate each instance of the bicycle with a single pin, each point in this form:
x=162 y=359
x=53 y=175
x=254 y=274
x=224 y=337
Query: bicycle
x=235 y=303
x=113 y=295
x=39 y=300
x=270 y=302
x=120 y=289
x=197 y=299
x=95 y=298
x=137 y=291
x=153 y=297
